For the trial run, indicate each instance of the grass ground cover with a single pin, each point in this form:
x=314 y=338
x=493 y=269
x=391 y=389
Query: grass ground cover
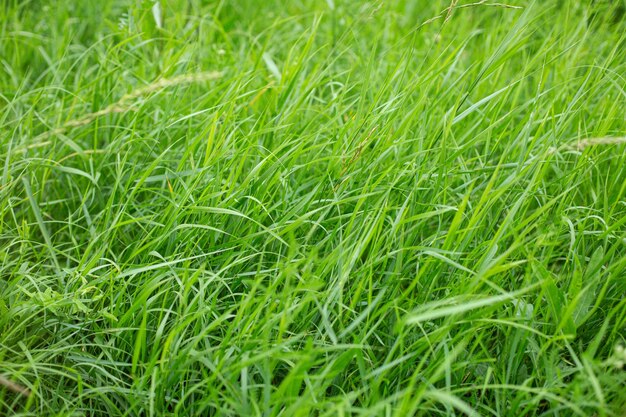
x=328 y=208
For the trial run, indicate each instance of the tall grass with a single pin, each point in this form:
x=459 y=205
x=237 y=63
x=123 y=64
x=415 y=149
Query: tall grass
x=294 y=208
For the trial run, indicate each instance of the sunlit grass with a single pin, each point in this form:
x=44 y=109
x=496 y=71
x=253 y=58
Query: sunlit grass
x=296 y=208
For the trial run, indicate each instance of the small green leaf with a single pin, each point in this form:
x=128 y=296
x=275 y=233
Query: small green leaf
x=588 y=294
x=4 y=310
x=556 y=302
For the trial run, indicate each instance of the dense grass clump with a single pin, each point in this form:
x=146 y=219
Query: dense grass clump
x=312 y=208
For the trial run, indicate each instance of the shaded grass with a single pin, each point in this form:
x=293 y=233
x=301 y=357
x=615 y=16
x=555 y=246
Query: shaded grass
x=362 y=215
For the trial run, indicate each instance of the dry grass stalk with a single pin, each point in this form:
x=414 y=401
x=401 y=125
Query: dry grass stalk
x=12 y=386
x=125 y=104
x=447 y=12
x=608 y=140
x=589 y=142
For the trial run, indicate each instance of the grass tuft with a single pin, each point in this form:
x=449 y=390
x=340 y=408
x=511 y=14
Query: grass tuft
x=313 y=208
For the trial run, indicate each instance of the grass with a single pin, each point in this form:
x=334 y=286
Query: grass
x=326 y=208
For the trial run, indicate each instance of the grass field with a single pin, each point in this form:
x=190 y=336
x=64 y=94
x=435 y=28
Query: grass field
x=312 y=208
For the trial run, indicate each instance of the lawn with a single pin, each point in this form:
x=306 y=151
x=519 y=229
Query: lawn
x=313 y=208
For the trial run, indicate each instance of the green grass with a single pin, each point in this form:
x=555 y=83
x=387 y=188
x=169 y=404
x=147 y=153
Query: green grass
x=312 y=208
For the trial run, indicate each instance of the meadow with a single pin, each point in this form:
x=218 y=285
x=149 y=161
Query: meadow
x=313 y=208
